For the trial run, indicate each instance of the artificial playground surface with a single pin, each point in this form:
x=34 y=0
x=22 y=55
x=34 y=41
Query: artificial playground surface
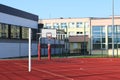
x=61 y=69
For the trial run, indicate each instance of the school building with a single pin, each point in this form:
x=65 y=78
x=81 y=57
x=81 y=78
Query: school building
x=88 y=35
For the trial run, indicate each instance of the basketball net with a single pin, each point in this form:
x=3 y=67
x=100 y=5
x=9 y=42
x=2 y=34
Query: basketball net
x=49 y=35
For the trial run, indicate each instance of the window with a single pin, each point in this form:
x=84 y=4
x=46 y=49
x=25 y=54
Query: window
x=56 y=25
x=71 y=25
x=71 y=33
x=47 y=25
x=8 y=31
x=63 y=25
x=98 y=38
x=86 y=33
x=75 y=45
x=3 y=31
x=116 y=34
x=25 y=33
x=115 y=46
x=98 y=31
x=110 y=34
x=86 y=24
x=79 y=24
x=79 y=32
x=15 y=32
x=34 y=31
x=98 y=46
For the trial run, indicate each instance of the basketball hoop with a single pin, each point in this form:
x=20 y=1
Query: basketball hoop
x=49 y=35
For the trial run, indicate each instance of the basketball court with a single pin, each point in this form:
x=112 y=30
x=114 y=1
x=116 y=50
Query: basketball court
x=61 y=69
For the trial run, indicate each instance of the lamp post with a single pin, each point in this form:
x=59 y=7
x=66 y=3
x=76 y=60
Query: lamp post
x=66 y=40
x=113 y=27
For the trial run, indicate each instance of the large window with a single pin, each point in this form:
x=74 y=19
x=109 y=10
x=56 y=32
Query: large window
x=116 y=33
x=15 y=32
x=98 y=39
x=3 y=31
x=8 y=31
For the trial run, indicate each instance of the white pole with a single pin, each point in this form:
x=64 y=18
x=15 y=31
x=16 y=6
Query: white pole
x=29 y=64
x=113 y=27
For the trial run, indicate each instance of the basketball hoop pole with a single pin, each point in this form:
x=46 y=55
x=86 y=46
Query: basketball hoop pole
x=49 y=52
x=49 y=36
x=39 y=49
x=29 y=59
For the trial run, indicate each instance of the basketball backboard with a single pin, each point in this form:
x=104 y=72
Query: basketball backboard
x=47 y=32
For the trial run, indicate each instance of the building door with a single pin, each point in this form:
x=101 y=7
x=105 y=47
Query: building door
x=84 y=48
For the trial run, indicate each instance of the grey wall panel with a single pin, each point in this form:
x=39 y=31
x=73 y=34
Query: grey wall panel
x=9 y=50
x=24 y=49
x=34 y=48
x=16 y=49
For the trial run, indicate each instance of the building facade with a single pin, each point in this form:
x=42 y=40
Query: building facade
x=101 y=34
x=14 y=25
x=98 y=32
x=69 y=25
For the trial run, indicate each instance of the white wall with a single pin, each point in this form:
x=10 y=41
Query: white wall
x=16 y=49
x=10 y=19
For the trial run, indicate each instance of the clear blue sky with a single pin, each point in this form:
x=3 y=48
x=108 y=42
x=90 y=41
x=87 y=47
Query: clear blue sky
x=65 y=8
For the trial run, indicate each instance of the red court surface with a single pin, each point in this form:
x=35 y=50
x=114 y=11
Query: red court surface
x=62 y=69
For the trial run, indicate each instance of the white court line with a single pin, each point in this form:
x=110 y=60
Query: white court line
x=48 y=72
